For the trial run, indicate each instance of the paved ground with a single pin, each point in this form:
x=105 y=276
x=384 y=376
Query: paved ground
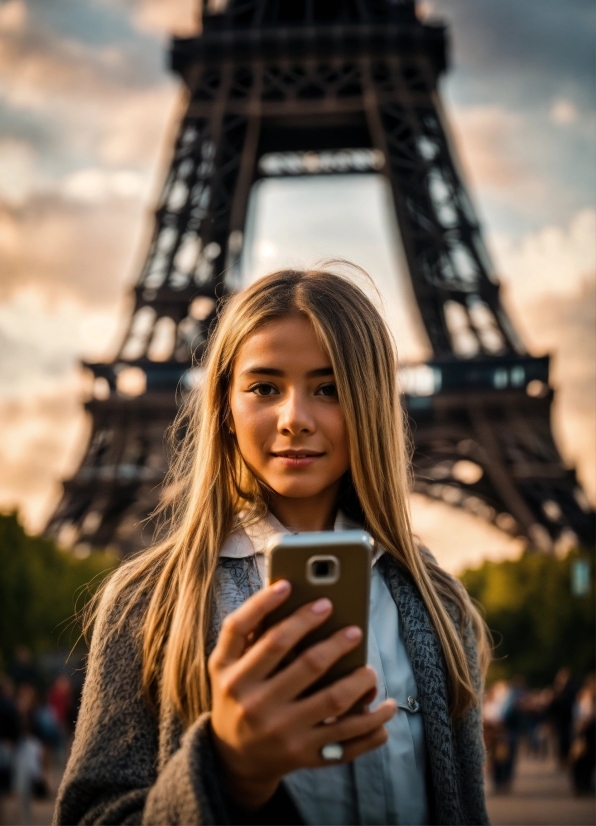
x=540 y=797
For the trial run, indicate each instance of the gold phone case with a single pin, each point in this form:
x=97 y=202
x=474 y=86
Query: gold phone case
x=333 y=564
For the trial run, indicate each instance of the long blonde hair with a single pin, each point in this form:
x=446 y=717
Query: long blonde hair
x=208 y=486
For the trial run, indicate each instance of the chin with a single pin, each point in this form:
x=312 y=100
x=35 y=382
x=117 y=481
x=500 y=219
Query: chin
x=298 y=490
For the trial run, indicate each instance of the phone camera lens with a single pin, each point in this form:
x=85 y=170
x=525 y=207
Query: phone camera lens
x=321 y=568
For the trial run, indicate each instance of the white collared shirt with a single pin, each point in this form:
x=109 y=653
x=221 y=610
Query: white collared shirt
x=387 y=785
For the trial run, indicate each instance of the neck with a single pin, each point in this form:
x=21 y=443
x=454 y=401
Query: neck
x=315 y=513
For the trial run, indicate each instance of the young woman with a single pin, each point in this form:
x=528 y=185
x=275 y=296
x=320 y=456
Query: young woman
x=186 y=717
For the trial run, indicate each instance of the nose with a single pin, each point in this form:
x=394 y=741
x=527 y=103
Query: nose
x=294 y=415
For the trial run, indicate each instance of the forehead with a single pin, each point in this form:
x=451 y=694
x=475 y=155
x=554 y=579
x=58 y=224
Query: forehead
x=285 y=343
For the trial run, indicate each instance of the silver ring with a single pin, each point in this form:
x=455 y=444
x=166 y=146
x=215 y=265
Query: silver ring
x=332 y=752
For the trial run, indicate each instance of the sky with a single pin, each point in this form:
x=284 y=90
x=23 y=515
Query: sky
x=88 y=111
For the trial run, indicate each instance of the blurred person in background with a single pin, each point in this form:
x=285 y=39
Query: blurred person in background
x=30 y=768
x=560 y=712
x=536 y=706
x=9 y=735
x=582 y=754
x=496 y=736
x=61 y=700
x=24 y=668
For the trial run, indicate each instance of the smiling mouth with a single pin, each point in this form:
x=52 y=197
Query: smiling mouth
x=296 y=454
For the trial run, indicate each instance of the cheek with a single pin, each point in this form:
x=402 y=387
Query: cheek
x=252 y=426
x=338 y=435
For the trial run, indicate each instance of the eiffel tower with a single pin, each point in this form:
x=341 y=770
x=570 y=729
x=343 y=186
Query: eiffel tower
x=321 y=87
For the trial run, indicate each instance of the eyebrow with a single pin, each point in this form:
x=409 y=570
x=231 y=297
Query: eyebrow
x=272 y=371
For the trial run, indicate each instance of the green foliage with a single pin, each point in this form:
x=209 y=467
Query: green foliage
x=41 y=586
x=538 y=624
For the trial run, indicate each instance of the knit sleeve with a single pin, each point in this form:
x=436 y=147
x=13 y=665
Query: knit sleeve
x=112 y=774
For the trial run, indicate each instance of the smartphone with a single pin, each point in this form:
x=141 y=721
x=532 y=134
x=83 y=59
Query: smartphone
x=333 y=564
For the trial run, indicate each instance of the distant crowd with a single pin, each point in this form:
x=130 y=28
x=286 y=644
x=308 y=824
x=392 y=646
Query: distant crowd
x=37 y=719
x=562 y=714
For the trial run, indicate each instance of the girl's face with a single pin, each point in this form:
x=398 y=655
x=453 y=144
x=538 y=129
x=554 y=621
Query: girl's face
x=285 y=411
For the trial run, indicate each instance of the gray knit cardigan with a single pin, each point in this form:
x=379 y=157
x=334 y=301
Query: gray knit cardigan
x=130 y=764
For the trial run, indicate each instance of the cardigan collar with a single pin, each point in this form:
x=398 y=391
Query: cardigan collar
x=252 y=540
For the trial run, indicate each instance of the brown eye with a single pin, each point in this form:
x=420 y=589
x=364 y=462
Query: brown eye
x=263 y=389
x=329 y=390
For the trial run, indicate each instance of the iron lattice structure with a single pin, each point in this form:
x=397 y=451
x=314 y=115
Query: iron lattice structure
x=310 y=87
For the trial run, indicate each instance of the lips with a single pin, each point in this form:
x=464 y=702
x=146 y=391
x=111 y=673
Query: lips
x=296 y=454
x=295 y=459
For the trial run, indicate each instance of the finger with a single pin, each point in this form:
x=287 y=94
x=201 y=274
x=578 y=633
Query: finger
x=237 y=626
x=338 y=698
x=313 y=663
x=354 y=726
x=268 y=651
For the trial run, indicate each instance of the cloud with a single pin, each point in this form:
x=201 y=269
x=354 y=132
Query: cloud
x=565 y=327
x=43 y=425
x=180 y=17
x=520 y=52
x=42 y=436
x=549 y=289
x=86 y=108
x=563 y=112
x=70 y=250
x=96 y=186
x=13 y=16
x=485 y=135
x=78 y=116
x=79 y=88
x=20 y=175
x=554 y=261
x=41 y=342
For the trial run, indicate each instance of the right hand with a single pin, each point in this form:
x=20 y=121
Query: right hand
x=262 y=726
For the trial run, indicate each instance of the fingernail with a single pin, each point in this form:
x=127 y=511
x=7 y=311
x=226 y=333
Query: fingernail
x=281 y=587
x=353 y=632
x=321 y=606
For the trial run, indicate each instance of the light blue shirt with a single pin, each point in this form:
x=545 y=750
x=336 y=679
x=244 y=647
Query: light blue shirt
x=387 y=785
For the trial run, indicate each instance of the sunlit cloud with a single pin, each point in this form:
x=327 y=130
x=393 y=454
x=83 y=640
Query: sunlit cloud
x=13 y=16
x=95 y=186
x=66 y=248
x=176 y=16
x=549 y=280
x=493 y=147
x=20 y=174
x=42 y=436
x=555 y=260
x=563 y=112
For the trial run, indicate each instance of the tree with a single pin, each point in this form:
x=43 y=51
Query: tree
x=41 y=587
x=538 y=624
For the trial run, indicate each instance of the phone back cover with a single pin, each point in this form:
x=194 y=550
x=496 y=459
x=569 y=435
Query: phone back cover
x=349 y=594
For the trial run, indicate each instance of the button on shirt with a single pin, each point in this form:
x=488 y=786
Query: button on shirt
x=386 y=785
